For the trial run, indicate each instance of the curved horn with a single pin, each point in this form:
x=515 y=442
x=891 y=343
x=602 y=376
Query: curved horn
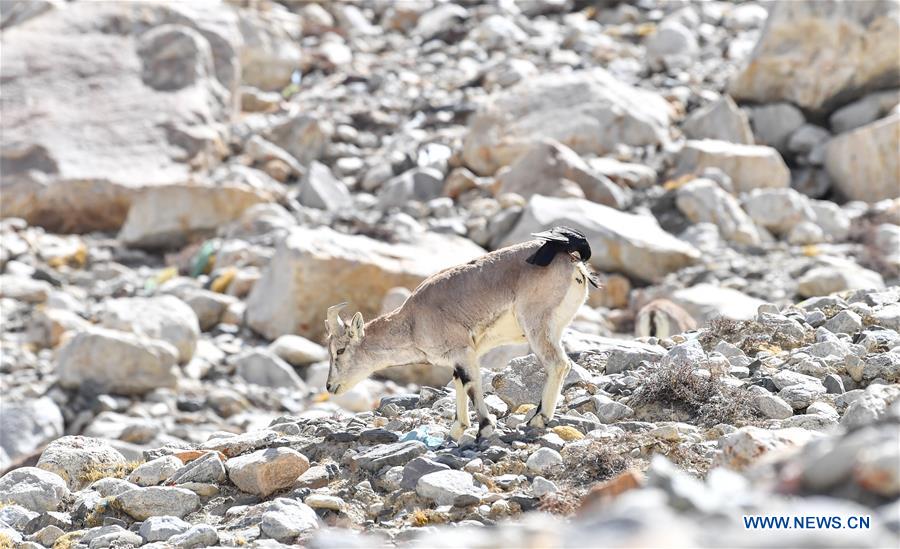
x=332 y=318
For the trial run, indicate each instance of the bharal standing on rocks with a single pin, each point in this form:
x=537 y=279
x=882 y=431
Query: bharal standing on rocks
x=526 y=293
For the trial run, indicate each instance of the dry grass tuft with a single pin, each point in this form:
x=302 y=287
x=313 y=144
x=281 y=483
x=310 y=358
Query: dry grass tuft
x=5 y=542
x=594 y=462
x=707 y=401
x=423 y=517
x=563 y=503
x=119 y=470
x=749 y=335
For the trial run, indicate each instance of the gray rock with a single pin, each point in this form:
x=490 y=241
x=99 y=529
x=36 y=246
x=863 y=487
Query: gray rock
x=397 y=453
x=17 y=516
x=522 y=381
x=863 y=111
x=611 y=412
x=74 y=457
x=420 y=184
x=25 y=426
x=110 y=536
x=444 y=487
x=35 y=489
x=266 y=471
x=772 y=406
x=418 y=467
x=872 y=180
x=297 y=350
x=208 y=306
x=262 y=367
x=164 y=317
x=672 y=46
x=845 y=322
x=117 y=362
x=201 y=535
x=208 y=468
x=749 y=166
x=833 y=384
x=704 y=201
x=622 y=360
x=540 y=487
x=835 y=276
x=778 y=210
x=320 y=189
x=806 y=138
x=162 y=528
x=573 y=108
x=722 y=119
x=153 y=501
x=774 y=124
x=286 y=519
x=155 y=471
x=543 y=461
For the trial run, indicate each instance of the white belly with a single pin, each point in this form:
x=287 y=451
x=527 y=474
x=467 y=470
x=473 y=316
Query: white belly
x=503 y=331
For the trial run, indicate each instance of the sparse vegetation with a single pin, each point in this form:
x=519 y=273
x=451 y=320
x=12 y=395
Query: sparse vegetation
x=118 y=470
x=589 y=463
x=5 y=542
x=706 y=400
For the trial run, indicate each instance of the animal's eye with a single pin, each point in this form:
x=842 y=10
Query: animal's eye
x=340 y=351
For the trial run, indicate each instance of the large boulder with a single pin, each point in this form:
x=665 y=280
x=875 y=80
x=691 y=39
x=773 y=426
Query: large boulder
x=749 y=166
x=552 y=169
x=707 y=301
x=820 y=53
x=117 y=362
x=863 y=164
x=80 y=460
x=25 y=426
x=171 y=215
x=633 y=244
x=590 y=111
x=316 y=268
x=120 y=84
x=35 y=489
x=164 y=317
x=704 y=201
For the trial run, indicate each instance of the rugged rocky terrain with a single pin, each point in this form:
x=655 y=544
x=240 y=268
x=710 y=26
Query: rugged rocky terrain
x=186 y=187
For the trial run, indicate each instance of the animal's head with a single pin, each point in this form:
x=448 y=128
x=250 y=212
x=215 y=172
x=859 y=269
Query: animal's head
x=343 y=342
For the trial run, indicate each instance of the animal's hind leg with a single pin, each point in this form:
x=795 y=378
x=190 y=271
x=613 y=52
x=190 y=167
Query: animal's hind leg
x=548 y=349
x=468 y=372
x=462 y=409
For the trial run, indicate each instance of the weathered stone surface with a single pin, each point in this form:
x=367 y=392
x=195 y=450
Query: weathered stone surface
x=286 y=519
x=155 y=471
x=165 y=317
x=707 y=301
x=321 y=189
x=815 y=55
x=398 y=453
x=749 y=166
x=155 y=501
x=778 y=210
x=290 y=298
x=117 y=362
x=522 y=381
x=297 y=350
x=589 y=111
x=75 y=458
x=863 y=163
x=34 y=489
x=25 y=426
x=443 y=487
x=746 y=445
x=162 y=528
x=619 y=241
x=704 y=201
x=834 y=275
x=549 y=168
x=171 y=215
x=262 y=367
x=48 y=181
x=722 y=120
x=266 y=471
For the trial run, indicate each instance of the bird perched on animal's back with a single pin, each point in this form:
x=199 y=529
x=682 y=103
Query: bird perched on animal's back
x=560 y=239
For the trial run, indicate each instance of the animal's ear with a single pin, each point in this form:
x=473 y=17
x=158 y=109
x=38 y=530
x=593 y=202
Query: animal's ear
x=357 y=327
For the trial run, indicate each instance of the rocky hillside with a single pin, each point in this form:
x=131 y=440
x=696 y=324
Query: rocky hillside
x=185 y=187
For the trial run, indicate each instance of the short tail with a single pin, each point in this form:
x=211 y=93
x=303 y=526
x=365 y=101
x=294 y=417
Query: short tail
x=557 y=240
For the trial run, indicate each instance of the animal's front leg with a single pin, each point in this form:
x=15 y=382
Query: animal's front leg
x=557 y=366
x=462 y=409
